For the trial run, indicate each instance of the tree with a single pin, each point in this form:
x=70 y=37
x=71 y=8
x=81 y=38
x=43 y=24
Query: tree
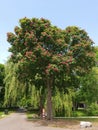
x=87 y=93
x=96 y=56
x=43 y=50
x=2 y=86
x=13 y=86
x=29 y=96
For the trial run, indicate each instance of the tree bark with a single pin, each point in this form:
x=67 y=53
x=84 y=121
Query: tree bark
x=49 y=99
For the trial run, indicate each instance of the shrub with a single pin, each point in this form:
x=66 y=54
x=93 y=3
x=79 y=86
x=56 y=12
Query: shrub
x=93 y=109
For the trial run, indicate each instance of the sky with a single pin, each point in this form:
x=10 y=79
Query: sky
x=61 y=13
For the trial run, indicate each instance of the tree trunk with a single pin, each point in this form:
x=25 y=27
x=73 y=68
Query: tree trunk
x=41 y=106
x=49 y=99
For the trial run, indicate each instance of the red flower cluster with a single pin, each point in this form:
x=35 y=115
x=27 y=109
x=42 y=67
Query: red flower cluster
x=59 y=55
x=51 y=69
x=55 y=69
x=64 y=63
x=28 y=54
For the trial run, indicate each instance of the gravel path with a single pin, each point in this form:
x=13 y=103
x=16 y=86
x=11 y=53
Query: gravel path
x=17 y=121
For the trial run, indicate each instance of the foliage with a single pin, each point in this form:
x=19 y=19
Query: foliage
x=35 y=97
x=18 y=93
x=1 y=74
x=2 y=86
x=14 y=90
x=37 y=43
x=62 y=103
x=96 y=56
x=93 y=109
x=80 y=113
x=88 y=90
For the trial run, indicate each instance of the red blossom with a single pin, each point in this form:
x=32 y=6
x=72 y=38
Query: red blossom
x=28 y=54
x=25 y=43
x=59 y=55
x=63 y=62
x=55 y=69
x=49 y=66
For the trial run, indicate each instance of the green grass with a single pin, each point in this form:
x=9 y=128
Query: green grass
x=32 y=115
x=94 y=119
x=79 y=113
x=2 y=114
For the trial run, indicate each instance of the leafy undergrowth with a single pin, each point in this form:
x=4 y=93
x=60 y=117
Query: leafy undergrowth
x=79 y=113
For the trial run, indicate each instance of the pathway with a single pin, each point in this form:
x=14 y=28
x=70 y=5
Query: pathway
x=17 y=121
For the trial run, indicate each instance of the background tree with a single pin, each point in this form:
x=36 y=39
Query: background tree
x=42 y=49
x=13 y=87
x=87 y=93
x=2 y=86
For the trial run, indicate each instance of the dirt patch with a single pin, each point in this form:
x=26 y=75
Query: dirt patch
x=67 y=124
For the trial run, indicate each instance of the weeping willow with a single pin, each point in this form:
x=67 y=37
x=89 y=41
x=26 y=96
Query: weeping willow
x=62 y=103
x=10 y=83
x=35 y=98
x=14 y=89
x=18 y=93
